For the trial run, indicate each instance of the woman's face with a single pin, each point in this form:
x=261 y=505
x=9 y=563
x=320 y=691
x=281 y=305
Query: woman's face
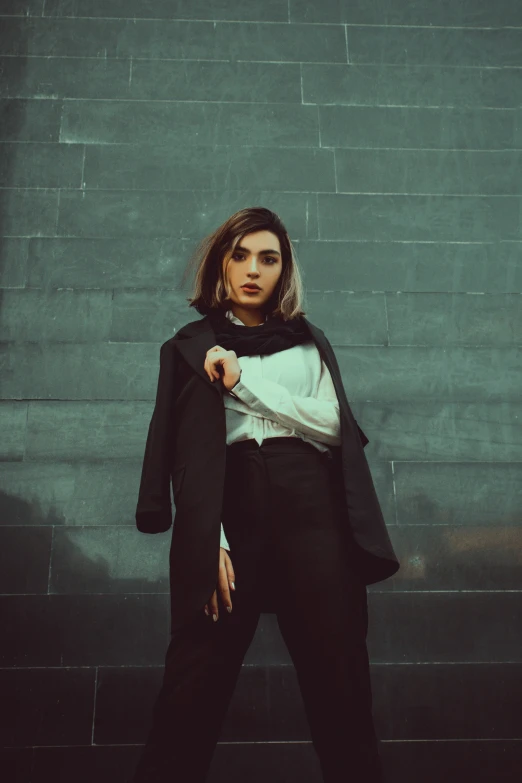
x=256 y=259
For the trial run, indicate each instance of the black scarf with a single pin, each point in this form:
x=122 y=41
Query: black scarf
x=272 y=336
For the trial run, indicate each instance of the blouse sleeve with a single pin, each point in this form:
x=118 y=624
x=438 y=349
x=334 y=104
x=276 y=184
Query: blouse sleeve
x=223 y=542
x=317 y=417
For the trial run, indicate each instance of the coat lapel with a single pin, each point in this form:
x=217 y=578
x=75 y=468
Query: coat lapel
x=194 y=351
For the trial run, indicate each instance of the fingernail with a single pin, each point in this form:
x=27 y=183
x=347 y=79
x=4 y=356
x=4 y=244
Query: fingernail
x=233 y=585
x=214 y=617
x=206 y=611
x=229 y=609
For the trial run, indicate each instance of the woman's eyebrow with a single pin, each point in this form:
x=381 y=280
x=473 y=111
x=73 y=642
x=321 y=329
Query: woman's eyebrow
x=262 y=252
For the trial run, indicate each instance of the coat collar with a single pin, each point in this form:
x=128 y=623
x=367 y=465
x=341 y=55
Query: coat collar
x=197 y=337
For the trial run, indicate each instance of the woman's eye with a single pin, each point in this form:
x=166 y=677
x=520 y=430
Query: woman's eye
x=267 y=258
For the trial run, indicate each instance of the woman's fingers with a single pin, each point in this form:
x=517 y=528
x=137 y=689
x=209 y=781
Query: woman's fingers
x=230 y=569
x=218 y=360
x=209 y=364
x=226 y=583
x=223 y=583
x=213 y=605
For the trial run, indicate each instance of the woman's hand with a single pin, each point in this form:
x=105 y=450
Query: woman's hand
x=218 y=357
x=226 y=578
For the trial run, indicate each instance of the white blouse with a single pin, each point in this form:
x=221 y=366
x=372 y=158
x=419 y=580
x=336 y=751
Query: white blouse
x=289 y=393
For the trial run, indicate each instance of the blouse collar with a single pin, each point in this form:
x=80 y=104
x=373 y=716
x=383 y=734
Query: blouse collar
x=235 y=320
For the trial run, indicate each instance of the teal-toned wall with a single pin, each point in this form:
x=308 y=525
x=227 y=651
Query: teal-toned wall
x=388 y=135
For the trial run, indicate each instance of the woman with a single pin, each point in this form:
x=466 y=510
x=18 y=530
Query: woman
x=275 y=509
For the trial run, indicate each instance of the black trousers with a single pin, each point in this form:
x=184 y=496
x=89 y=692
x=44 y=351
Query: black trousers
x=292 y=556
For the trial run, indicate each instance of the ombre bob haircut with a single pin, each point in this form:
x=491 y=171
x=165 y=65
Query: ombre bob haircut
x=211 y=290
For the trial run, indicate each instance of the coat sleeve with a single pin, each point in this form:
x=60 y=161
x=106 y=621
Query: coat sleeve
x=154 y=507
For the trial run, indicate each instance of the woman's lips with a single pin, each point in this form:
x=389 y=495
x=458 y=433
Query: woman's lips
x=250 y=290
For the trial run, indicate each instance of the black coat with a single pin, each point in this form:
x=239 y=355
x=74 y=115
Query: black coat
x=186 y=446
